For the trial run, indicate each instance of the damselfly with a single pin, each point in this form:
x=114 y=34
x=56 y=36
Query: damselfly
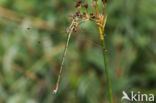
x=69 y=30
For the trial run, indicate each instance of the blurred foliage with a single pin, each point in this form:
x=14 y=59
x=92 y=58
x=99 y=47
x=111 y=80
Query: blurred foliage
x=32 y=38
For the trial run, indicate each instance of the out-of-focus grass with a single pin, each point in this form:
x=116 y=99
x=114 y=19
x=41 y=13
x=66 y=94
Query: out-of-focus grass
x=30 y=58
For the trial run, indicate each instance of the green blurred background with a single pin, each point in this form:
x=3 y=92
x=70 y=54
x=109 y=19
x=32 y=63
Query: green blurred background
x=32 y=39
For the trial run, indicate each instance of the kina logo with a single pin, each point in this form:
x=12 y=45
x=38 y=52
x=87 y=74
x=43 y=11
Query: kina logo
x=138 y=97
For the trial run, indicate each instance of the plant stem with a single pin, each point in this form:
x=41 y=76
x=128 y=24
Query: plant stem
x=107 y=73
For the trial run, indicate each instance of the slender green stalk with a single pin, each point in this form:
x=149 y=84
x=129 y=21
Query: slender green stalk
x=107 y=73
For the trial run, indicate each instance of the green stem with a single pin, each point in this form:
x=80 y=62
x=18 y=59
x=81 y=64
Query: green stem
x=107 y=73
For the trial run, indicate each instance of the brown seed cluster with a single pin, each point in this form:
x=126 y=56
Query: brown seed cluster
x=78 y=4
x=85 y=5
x=92 y=16
x=105 y=1
x=83 y=14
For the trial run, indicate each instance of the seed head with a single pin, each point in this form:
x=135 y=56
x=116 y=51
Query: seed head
x=77 y=13
x=92 y=15
x=80 y=1
x=77 y=5
x=85 y=5
x=84 y=15
x=105 y=1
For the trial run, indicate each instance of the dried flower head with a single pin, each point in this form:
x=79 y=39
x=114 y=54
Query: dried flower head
x=85 y=5
x=105 y=1
x=80 y=1
x=92 y=16
x=84 y=15
x=78 y=4
x=77 y=13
